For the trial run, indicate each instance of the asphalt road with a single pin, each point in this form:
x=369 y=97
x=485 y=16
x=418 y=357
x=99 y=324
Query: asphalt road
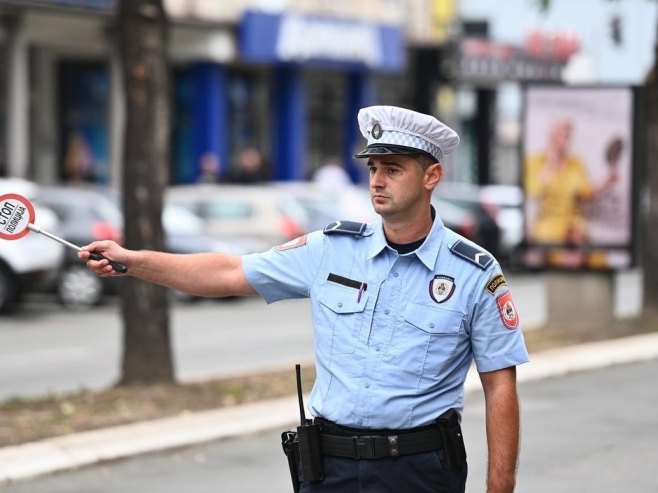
x=591 y=432
x=47 y=349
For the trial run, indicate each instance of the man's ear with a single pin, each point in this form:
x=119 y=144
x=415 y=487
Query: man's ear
x=433 y=175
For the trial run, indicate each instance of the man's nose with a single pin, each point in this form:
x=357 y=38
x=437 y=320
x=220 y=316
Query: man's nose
x=376 y=179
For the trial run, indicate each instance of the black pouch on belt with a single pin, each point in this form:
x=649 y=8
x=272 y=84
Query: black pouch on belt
x=453 y=440
x=291 y=449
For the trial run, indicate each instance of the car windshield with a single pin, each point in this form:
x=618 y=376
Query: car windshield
x=228 y=209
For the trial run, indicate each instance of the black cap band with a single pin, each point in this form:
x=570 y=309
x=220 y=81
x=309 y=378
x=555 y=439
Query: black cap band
x=391 y=150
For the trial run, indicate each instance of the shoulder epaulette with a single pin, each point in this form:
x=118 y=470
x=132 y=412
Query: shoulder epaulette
x=345 y=228
x=479 y=257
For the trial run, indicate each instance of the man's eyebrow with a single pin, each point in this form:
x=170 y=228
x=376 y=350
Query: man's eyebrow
x=386 y=163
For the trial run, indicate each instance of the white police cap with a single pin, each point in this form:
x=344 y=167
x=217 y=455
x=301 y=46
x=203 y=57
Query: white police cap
x=394 y=130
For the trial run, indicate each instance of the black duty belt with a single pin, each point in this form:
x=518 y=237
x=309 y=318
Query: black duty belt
x=380 y=446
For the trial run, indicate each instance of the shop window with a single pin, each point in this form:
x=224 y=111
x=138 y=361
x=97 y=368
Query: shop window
x=83 y=128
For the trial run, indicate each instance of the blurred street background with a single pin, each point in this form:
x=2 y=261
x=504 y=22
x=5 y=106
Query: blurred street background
x=263 y=125
x=257 y=101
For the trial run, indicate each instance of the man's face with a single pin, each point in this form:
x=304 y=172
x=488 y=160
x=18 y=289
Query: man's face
x=398 y=184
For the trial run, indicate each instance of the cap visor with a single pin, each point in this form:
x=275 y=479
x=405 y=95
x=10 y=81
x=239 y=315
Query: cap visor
x=388 y=150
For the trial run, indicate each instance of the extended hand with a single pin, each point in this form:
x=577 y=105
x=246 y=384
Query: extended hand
x=113 y=258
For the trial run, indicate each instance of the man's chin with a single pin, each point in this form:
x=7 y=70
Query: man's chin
x=381 y=209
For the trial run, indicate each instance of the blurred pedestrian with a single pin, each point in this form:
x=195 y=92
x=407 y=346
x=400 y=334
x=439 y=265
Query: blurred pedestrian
x=331 y=174
x=78 y=160
x=401 y=308
x=209 y=168
x=251 y=167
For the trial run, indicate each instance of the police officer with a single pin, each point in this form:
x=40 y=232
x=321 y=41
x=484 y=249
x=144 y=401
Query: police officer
x=401 y=308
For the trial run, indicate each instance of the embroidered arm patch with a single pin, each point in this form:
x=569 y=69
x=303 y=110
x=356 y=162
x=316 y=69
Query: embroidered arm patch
x=478 y=257
x=346 y=228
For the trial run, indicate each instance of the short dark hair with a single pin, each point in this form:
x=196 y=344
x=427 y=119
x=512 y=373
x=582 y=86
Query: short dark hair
x=425 y=160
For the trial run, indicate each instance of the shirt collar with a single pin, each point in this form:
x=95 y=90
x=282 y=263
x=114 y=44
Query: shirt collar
x=428 y=251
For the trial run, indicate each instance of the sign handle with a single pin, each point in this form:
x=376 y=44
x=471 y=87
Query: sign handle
x=117 y=266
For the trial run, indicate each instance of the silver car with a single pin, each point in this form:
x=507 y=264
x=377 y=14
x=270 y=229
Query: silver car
x=262 y=214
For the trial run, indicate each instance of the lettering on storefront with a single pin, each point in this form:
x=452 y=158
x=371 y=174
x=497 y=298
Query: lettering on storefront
x=305 y=38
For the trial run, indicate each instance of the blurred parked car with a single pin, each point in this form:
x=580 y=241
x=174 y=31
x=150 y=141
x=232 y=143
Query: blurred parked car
x=478 y=221
x=323 y=205
x=262 y=213
x=32 y=263
x=505 y=203
x=93 y=213
x=353 y=203
x=184 y=234
x=85 y=215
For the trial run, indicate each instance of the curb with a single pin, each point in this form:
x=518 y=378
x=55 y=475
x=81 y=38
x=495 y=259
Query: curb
x=81 y=449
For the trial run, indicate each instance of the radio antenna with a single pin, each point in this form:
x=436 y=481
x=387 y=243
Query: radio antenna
x=302 y=413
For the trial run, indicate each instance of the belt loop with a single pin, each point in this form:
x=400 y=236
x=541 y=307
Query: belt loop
x=365 y=447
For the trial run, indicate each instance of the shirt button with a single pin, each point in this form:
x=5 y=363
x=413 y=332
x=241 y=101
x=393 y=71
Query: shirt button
x=378 y=348
x=395 y=274
x=340 y=305
x=386 y=312
x=367 y=385
x=431 y=326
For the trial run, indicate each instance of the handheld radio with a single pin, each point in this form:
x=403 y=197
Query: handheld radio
x=310 y=439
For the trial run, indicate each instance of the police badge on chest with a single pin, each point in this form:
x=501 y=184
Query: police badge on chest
x=441 y=288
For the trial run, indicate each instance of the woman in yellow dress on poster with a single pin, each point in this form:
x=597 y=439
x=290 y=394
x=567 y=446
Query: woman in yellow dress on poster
x=556 y=184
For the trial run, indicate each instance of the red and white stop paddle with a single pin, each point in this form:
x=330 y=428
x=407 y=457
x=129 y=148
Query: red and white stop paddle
x=17 y=218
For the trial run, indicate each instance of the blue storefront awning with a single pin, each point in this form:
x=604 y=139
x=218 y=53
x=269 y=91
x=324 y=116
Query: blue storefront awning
x=304 y=39
x=95 y=5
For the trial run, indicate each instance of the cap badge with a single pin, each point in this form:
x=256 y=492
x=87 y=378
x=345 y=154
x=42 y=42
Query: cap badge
x=376 y=131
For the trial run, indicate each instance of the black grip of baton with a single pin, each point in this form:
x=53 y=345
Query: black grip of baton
x=115 y=265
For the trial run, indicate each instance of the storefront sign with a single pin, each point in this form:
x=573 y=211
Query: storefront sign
x=296 y=38
x=480 y=60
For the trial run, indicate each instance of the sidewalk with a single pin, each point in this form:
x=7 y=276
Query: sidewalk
x=81 y=449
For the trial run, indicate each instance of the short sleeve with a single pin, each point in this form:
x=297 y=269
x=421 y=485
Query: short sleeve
x=496 y=337
x=285 y=271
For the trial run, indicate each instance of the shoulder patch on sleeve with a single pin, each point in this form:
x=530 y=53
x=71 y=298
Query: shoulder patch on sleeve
x=480 y=258
x=296 y=243
x=345 y=228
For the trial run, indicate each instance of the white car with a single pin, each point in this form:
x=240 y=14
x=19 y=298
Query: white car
x=31 y=263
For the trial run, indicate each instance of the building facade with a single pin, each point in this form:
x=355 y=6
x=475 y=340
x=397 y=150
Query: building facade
x=286 y=77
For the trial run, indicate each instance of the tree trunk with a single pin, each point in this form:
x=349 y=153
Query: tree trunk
x=147 y=354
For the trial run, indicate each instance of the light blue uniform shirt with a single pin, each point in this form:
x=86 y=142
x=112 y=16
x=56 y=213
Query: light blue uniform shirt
x=395 y=353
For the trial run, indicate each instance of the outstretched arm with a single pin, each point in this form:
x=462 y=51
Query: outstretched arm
x=201 y=274
x=502 y=410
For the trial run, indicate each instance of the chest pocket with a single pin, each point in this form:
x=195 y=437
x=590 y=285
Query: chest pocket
x=425 y=339
x=339 y=318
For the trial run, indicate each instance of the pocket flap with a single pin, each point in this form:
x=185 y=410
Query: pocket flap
x=433 y=320
x=343 y=299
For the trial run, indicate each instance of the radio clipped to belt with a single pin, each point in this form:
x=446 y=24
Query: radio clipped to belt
x=303 y=447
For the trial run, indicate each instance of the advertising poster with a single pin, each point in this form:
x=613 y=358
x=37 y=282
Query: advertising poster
x=577 y=177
